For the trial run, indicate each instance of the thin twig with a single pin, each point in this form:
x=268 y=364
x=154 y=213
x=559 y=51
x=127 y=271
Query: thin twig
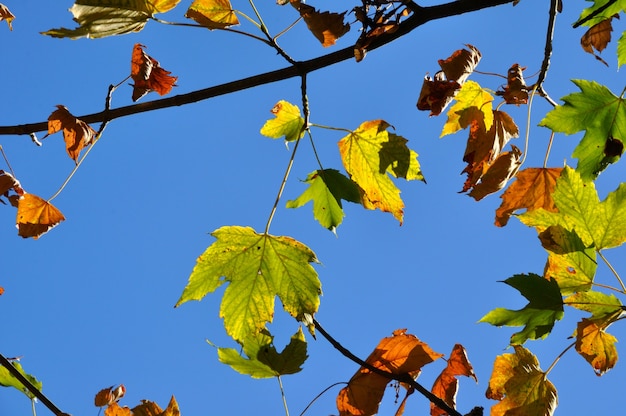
x=29 y=386
x=282 y=394
x=403 y=378
x=619 y=279
x=554 y=8
x=320 y=395
x=556 y=360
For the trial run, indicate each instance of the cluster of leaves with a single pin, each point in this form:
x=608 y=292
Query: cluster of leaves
x=108 y=399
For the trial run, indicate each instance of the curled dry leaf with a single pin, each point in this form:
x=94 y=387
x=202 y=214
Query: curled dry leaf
x=598 y=37
x=36 y=216
x=326 y=26
x=5 y=14
x=515 y=91
x=76 y=133
x=148 y=75
x=115 y=409
x=446 y=385
x=380 y=22
x=10 y=188
x=498 y=174
x=109 y=395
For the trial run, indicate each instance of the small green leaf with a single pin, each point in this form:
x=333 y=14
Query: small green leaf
x=608 y=10
x=545 y=307
x=8 y=380
x=262 y=360
x=621 y=50
x=102 y=18
x=598 y=304
x=326 y=189
x=288 y=122
x=602 y=115
x=258 y=267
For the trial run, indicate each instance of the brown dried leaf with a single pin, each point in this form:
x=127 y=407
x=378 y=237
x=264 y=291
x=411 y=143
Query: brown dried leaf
x=148 y=75
x=327 y=27
x=109 y=395
x=76 y=133
x=597 y=37
x=5 y=14
x=436 y=93
x=36 y=216
x=115 y=409
x=532 y=189
x=515 y=91
x=460 y=64
x=400 y=354
x=148 y=408
x=445 y=386
x=498 y=174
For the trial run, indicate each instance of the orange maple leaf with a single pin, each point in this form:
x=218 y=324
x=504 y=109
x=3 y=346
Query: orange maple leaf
x=115 y=409
x=595 y=345
x=598 y=37
x=36 y=216
x=148 y=408
x=400 y=354
x=532 y=189
x=76 y=133
x=109 y=395
x=148 y=74
x=327 y=27
x=5 y=14
x=445 y=386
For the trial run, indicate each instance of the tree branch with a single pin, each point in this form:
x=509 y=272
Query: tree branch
x=420 y=16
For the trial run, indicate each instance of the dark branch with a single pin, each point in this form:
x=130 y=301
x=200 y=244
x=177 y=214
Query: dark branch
x=403 y=378
x=34 y=390
x=420 y=16
x=554 y=7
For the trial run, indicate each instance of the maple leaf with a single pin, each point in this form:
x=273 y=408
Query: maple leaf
x=257 y=267
x=515 y=91
x=370 y=154
x=109 y=395
x=532 y=189
x=446 y=384
x=115 y=409
x=326 y=189
x=263 y=361
x=76 y=133
x=148 y=408
x=148 y=74
x=597 y=37
x=213 y=14
x=327 y=27
x=521 y=387
x=6 y=15
x=437 y=93
x=544 y=308
x=598 y=224
x=287 y=123
x=570 y=262
x=470 y=97
x=399 y=354
x=8 y=380
x=602 y=306
x=36 y=216
x=602 y=116
x=98 y=19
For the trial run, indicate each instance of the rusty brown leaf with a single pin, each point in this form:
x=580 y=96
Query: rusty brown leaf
x=327 y=27
x=76 y=133
x=148 y=75
x=446 y=385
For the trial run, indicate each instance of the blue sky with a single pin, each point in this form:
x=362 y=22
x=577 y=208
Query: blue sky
x=90 y=304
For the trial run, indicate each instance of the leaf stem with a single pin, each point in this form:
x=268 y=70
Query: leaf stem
x=320 y=395
x=606 y=261
x=556 y=360
x=527 y=138
x=282 y=393
x=545 y=159
x=6 y=160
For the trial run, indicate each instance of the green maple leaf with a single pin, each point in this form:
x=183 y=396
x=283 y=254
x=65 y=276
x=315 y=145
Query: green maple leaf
x=326 y=189
x=101 y=18
x=287 y=123
x=545 y=307
x=602 y=115
x=607 y=12
x=598 y=304
x=572 y=264
x=258 y=267
x=262 y=360
x=598 y=224
x=370 y=155
x=8 y=380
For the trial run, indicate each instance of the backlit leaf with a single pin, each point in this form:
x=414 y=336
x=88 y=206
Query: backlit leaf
x=148 y=74
x=601 y=224
x=327 y=27
x=115 y=409
x=497 y=174
x=521 y=387
x=599 y=304
x=213 y=14
x=36 y=216
x=602 y=9
x=101 y=18
x=6 y=15
x=109 y=395
x=470 y=96
x=258 y=267
x=262 y=360
x=621 y=50
x=400 y=354
x=544 y=308
x=532 y=189
x=515 y=91
x=459 y=66
x=326 y=189
x=595 y=345
x=597 y=37
x=370 y=154
x=287 y=123
x=76 y=133
x=10 y=188
x=148 y=408
x=602 y=115
x=446 y=384
x=8 y=380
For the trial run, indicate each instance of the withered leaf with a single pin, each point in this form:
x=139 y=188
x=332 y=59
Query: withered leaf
x=436 y=93
x=115 y=409
x=327 y=27
x=76 y=133
x=498 y=174
x=400 y=354
x=10 y=188
x=460 y=64
x=109 y=395
x=36 y=216
x=6 y=15
x=532 y=189
x=597 y=37
x=515 y=91
x=148 y=408
x=595 y=345
x=445 y=386
x=148 y=74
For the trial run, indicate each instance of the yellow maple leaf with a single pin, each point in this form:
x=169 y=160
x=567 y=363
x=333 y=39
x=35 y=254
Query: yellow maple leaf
x=471 y=95
x=213 y=14
x=595 y=345
x=36 y=216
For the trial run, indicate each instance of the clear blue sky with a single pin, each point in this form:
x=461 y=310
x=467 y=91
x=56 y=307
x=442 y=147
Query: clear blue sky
x=90 y=304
